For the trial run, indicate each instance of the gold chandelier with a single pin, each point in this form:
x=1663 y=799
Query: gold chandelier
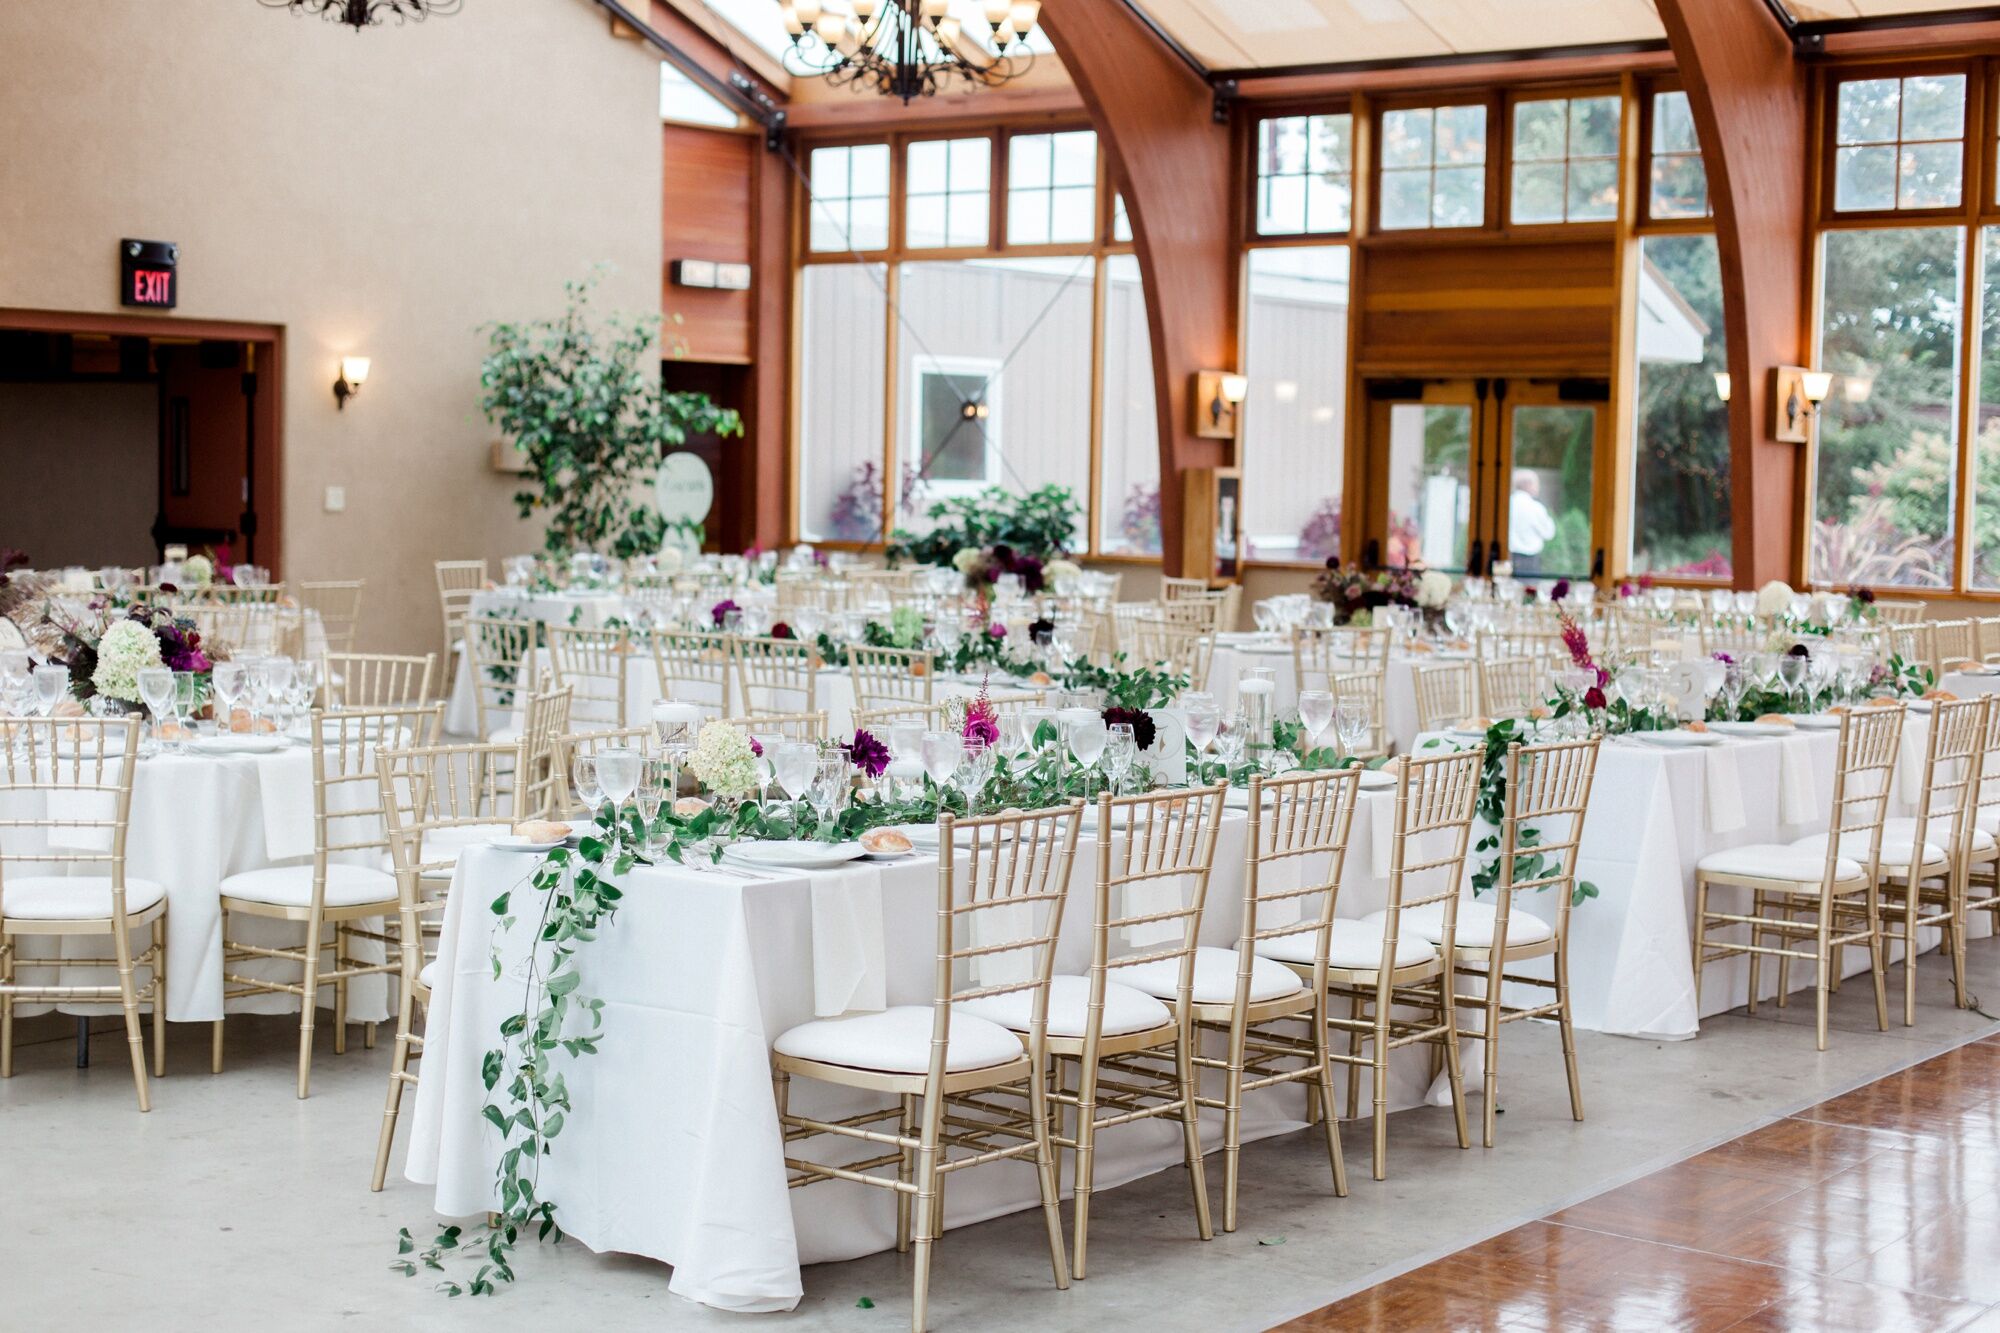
x=910 y=48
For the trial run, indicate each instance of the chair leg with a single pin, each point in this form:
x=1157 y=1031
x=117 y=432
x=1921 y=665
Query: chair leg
x=1232 y=1127
x=1757 y=904
x=309 y=1003
x=1324 y=1083
x=1191 y=1130
x=1354 y=1012
x=1447 y=1002
x=399 y=1061
x=159 y=997
x=1086 y=1159
x=6 y=1010
x=906 y=1128
x=1878 y=958
x=1378 y=1068
x=1490 y=1037
x=1045 y=1170
x=1567 y=1026
x=1700 y=934
x=128 y=996
x=1910 y=957
x=927 y=1184
x=340 y=990
x=1822 y=983
x=1956 y=890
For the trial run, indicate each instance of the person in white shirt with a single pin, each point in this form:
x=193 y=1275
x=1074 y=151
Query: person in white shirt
x=1529 y=524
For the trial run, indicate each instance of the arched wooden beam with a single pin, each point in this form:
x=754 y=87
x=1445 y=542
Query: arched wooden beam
x=1748 y=95
x=1155 y=117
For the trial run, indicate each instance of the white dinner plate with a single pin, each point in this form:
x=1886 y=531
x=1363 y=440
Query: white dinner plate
x=1751 y=728
x=514 y=842
x=1374 y=779
x=1920 y=705
x=1679 y=739
x=235 y=744
x=1236 y=798
x=1817 y=722
x=795 y=855
x=921 y=836
x=1262 y=649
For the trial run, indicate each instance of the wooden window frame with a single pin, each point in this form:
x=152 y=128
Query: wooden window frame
x=1254 y=178
x=1494 y=101
x=1566 y=227
x=804 y=240
x=1977 y=130
x=1649 y=90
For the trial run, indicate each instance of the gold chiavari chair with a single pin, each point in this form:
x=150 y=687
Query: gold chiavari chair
x=1982 y=846
x=1910 y=642
x=1735 y=637
x=1548 y=794
x=1319 y=653
x=775 y=675
x=1125 y=618
x=999 y=911
x=379 y=680
x=338 y=606
x=1189 y=613
x=889 y=677
x=592 y=662
x=1397 y=984
x=1826 y=898
x=246 y=628
x=229 y=594
x=500 y=654
x=1544 y=646
x=786 y=726
x=436 y=801
x=1510 y=686
x=694 y=669
x=1365 y=692
x=343 y=886
x=1123 y=1045
x=1899 y=611
x=1445 y=694
x=1986 y=635
x=458 y=582
x=1177 y=589
x=1296 y=845
x=1181 y=648
x=543 y=786
x=1925 y=855
x=877 y=721
x=1953 y=642
x=75 y=774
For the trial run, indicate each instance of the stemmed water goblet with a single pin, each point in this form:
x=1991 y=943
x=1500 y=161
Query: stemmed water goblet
x=227 y=681
x=583 y=776
x=1792 y=669
x=280 y=673
x=618 y=771
x=795 y=765
x=1315 y=714
x=1203 y=721
x=156 y=691
x=942 y=752
x=674 y=725
x=1353 y=725
x=1231 y=739
x=1121 y=752
x=975 y=766
x=649 y=795
x=832 y=778
x=1013 y=739
x=51 y=684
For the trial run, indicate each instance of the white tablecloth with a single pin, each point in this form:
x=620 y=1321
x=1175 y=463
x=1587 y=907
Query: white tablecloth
x=699 y=973
x=1236 y=654
x=195 y=821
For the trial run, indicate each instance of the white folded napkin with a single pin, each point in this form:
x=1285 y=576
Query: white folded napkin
x=1910 y=759
x=1381 y=809
x=1281 y=877
x=1144 y=898
x=72 y=804
x=1724 y=783
x=285 y=785
x=850 y=971
x=1003 y=923
x=1798 y=794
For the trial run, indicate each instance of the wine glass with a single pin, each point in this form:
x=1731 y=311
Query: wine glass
x=650 y=794
x=1013 y=736
x=156 y=690
x=228 y=681
x=583 y=774
x=975 y=766
x=618 y=777
x=942 y=752
x=674 y=724
x=1033 y=719
x=1792 y=670
x=1353 y=724
x=1230 y=740
x=1316 y=713
x=1087 y=739
x=830 y=784
x=51 y=684
x=1121 y=751
x=795 y=765
x=1203 y=721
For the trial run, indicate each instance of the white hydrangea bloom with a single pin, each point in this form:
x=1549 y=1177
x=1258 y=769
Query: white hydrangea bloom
x=1774 y=598
x=723 y=761
x=197 y=571
x=967 y=558
x=1433 y=589
x=126 y=649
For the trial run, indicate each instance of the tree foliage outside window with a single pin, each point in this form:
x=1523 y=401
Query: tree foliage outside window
x=583 y=399
x=1680 y=486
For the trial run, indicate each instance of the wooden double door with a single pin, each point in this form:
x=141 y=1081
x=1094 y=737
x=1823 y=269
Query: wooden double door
x=1464 y=474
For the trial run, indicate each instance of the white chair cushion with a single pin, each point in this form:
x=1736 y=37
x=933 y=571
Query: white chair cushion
x=1854 y=846
x=898 y=1041
x=1125 y=1009
x=427 y=975
x=72 y=897
x=1476 y=923
x=1356 y=945
x=1772 y=860
x=1214 y=977
x=292 y=886
x=1902 y=828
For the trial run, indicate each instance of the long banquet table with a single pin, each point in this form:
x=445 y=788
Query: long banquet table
x=701 y=971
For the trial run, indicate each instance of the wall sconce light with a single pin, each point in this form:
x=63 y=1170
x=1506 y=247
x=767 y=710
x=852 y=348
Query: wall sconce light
x=1722 y=385
x=1796 y=394
x=353 y=374
x=1218 y=394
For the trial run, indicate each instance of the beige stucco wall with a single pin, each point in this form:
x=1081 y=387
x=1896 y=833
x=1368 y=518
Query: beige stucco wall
x=381 y=193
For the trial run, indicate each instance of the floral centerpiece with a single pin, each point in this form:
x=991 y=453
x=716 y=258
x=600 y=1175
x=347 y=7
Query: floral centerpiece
x=105 y=652
x=198 y=571
x=723 y=761
x=983 y=567
x=1357 y=594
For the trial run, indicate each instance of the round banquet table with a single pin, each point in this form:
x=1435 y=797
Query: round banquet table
x=197 y=819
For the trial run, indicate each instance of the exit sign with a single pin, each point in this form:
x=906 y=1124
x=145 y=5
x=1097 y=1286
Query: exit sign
x=146 y=273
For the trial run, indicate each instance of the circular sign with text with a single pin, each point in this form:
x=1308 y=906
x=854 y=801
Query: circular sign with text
x=684 y=488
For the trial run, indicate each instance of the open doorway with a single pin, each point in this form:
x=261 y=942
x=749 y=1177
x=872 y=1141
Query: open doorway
x=120 y=436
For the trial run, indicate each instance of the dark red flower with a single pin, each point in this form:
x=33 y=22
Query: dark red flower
x=1141 y=722
x=782 y=631
x=868 y=754
x=1560 y=591
x=1593 y=698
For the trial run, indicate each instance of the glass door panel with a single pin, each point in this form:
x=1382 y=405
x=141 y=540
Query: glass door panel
x=1430 y=485
x=1553 y=452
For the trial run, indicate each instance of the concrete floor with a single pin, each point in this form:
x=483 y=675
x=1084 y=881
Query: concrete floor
x=233 y=1203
